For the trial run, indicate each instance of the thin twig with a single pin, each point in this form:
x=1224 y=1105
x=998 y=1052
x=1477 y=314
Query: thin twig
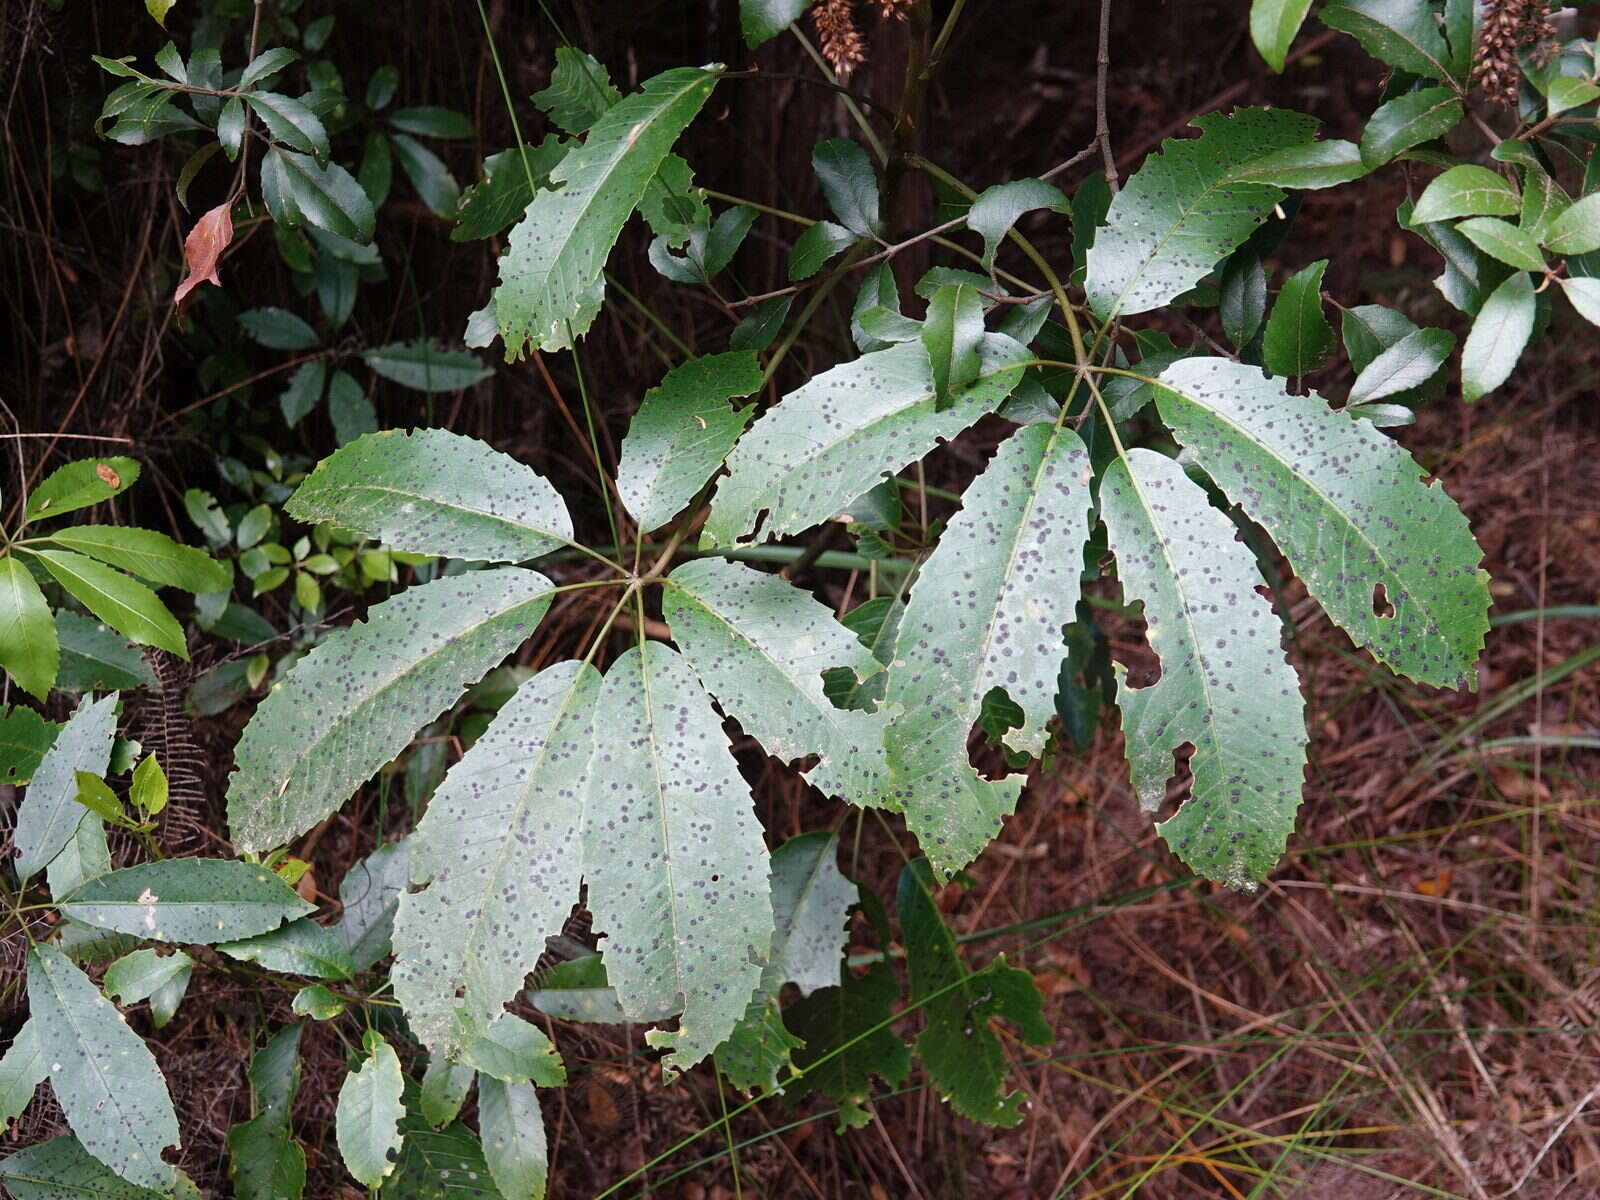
x=1102 y=131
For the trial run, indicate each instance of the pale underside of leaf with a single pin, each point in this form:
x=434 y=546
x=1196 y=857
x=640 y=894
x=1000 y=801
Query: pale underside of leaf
x=49 y=812
x=1225 y=686
x=832 y=440
x=367 y=1119
x=551 y=276
x=499 y=851
x=101 y=1072
x=760 y=645
x=989 y=609
x=1347 y=506
x=355 y=701
x=676 y=865
x=1185 y=210
x=435 y=492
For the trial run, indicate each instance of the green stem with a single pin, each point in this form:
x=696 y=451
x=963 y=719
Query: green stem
x=860 y=118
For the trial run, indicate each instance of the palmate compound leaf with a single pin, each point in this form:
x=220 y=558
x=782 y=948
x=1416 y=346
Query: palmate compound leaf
x=674 y=857
x=499 y=850
x=435 y=492
x=988 y=610
x=101 y=1072
x=811 y=901
x=1186 y=209
x=352 y=704
x=832 y=440
x=683 y=430
x=1225 y=686
x=550 y=277
x=1347 y=506
x=760 y=645
x=960 y=1052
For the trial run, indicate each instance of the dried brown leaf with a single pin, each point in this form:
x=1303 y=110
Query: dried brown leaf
x=203 y=247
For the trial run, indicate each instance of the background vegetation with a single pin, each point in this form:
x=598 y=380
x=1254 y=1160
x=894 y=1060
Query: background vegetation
x=1409 y=1006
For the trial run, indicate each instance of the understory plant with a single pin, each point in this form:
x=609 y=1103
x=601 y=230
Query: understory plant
x=1160 y=440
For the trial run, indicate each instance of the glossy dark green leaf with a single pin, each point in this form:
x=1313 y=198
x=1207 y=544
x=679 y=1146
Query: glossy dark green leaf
x=1577 y=229
x=29 y=651
x=580 y=91
x=299 y=948
x=121 y=602
x=1401 y=33
x=25 y=736
x=95 y=658
x=278 y=330
x=1298 y=338
x=961 y=1053
x=1498 y=336
x=1408 y=364
x=1273 y=25
x=431 y=121
x=290 y=122
x=428 y=174
x=1408 y=121
x=298 y=191
x=1504 y=241
x=763 y=20
x=150 y=555
x=266 y=64
x=849 y=184
x=304 y=392
x=951 y=334
x=80 y=484
x=817 y=245
x=507 y=186
x=1466 y=191
x=1243 y=303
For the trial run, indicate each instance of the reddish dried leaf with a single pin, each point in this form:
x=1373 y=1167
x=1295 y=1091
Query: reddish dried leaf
x=201 y=249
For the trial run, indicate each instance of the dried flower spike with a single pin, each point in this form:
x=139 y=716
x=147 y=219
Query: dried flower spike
x=841 y=40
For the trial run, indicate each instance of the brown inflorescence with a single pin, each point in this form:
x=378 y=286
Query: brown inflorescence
x=841 y=41
x=1509 y=25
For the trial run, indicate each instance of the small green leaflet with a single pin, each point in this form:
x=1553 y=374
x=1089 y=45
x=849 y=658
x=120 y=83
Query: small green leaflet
x=513 y=1051
x=833 y=439
x=22 y=1069
x=811 y=901
x=353 y=703
x=101 y=1072
x=952 y=333
x=550 y=278
x=1298 y=337
x=682 y=433
x=1225 y=685
x=1498 y=336
x=960 y=1052
x=763 y=20
x=201 y=900
x=150 y=555
x=988 y=610
x=435 y=492
x=848 y=184
x=1466 y=191
x=125 y=604
x=49 y=813
x=61 y=1169
x=512 y=1129
x=674 y=856
x=998 y=208
x=1401 y=33
x=1409 y=363
x=141 y=974
x=1408 y=121
x=1273 y=24
x=265 y=1162
x=299 y=948
x=498 y=851
x=367 y=1118
x=760 y=645
x=29 y=651
x=80 y=484
x=426 y=366
x=1186 y=209
x=1347 y=506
